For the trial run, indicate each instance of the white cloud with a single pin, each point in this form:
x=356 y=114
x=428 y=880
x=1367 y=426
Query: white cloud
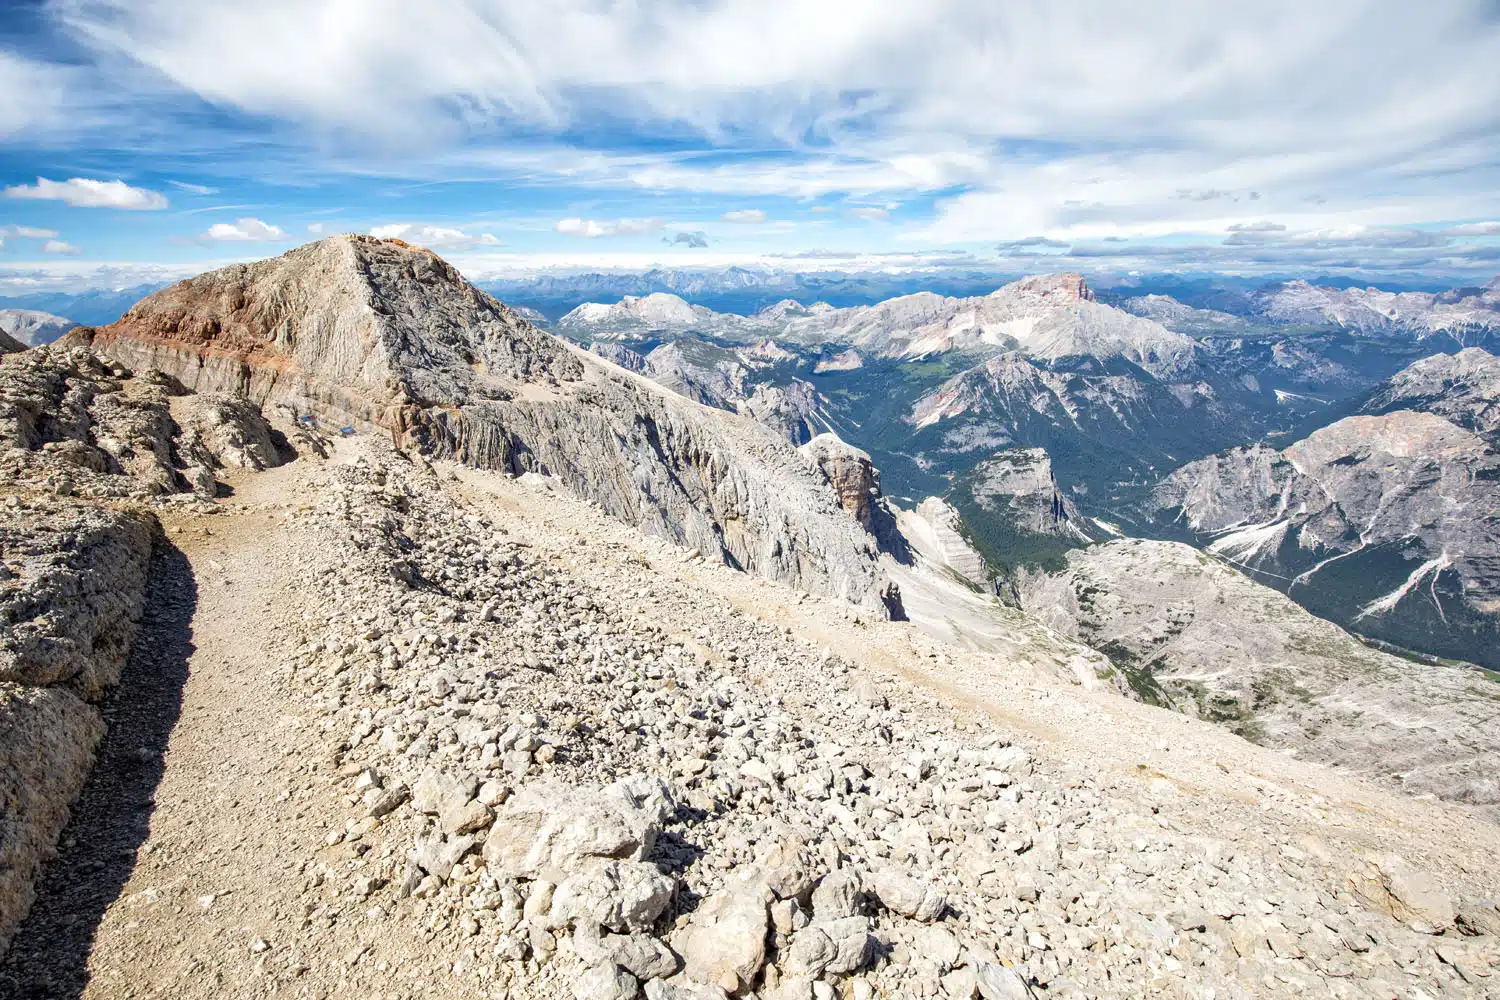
x=744 y=215
x=31 y=93
x=59 y=247
x=84 y=192
x=193 y=188
x=433 y=237
x=1074 y=120
x=244 y=231
x=870 y=212
x=28 y=232
x=594 y=228
x=1477 y=229
x=316 y=228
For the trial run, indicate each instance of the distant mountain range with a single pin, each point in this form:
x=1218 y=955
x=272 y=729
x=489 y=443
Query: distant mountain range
x=1104 y=410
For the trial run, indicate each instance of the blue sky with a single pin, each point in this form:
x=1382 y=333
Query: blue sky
x=149 y=138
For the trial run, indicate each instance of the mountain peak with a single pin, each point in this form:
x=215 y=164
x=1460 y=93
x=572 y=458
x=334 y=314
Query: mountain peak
x=1065 y=287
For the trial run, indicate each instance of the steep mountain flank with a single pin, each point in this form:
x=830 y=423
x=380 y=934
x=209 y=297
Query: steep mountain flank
x=1463 y=388
x=32 y=327
x=1200 y=637
x=1017 y=514
x=382 y=336
x=1388 y=523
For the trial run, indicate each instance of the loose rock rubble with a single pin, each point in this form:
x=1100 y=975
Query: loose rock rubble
x=571 y=790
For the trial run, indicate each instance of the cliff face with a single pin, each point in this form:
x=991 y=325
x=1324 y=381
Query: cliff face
x=1385 y=523
x=386 y=337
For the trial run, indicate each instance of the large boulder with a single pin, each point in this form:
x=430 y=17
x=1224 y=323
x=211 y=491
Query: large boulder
x=724 y=942
x=550 y=824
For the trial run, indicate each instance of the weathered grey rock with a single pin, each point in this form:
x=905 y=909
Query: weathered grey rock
x=641 y=955
x=230 y=430
x=437 y=854
x=606 y=982
x=436 y=791
x=658 y=989
x=72 y=593
x=724 y=942
x=624 y=896
x=996 y=982
x=907 y=896
x=47 y=741
x=836 y=895
x=548 y=824
x=1413 y=897
x=830 y=946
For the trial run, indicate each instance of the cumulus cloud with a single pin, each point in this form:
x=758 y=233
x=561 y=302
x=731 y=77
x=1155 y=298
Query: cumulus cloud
x=870 y=212
x=245 y=230
x=59 y=247
x=744 y=215
x=696 y=239
x=433 y=237
x=316 y=228
x=1477 y=229
x=595 y=228
x=84 y=192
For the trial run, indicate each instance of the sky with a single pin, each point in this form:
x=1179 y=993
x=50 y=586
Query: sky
x=147 y=139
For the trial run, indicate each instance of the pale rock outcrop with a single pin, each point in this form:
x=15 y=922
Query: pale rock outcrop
x=908 y=896
x=1190 y=632
x=72 y=583
x=550 y=826
x=724 y=942
x=850 y=472
x=71 y=591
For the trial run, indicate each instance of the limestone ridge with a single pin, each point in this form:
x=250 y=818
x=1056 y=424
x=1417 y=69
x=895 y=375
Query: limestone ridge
x=381 y=335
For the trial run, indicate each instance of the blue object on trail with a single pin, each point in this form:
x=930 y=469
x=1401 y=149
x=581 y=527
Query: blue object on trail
x=347 y=431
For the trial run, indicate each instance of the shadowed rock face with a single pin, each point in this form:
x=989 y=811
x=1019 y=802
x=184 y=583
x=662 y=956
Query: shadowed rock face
x=386 y=337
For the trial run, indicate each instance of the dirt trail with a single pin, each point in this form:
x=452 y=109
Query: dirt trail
x=163 y=876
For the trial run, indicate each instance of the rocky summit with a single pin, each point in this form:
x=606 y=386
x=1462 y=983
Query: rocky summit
x=383 y=337
x=362 y=639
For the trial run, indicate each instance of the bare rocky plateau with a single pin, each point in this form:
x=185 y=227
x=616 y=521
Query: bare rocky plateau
x=370 y=721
